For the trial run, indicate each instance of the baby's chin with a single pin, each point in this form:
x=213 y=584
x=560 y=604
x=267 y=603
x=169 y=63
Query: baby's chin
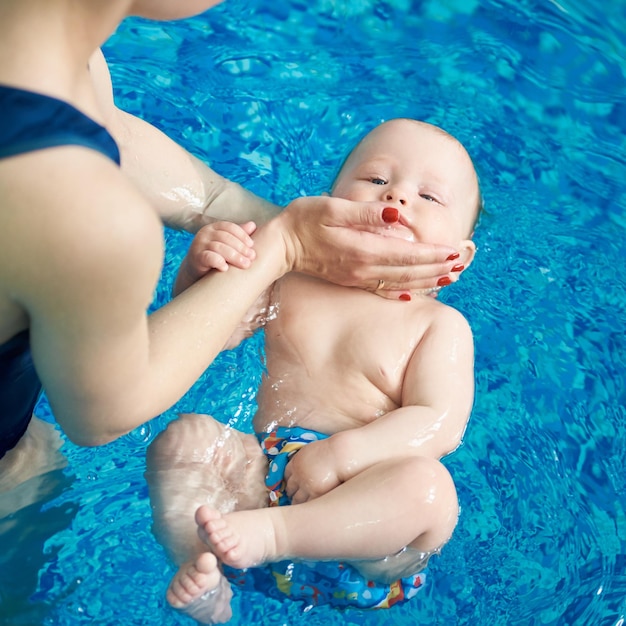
x=397 y=231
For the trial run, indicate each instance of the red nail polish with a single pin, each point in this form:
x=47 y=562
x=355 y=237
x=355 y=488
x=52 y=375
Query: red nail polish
x=458 y=268
x=406 y=297
x=444 y=281
x=390 y=215
x=454 y=255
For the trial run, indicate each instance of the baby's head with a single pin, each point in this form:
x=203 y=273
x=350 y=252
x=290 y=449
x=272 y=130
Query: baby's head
x=422 y=171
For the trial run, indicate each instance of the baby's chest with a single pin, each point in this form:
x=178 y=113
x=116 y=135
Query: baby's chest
x=347 y=331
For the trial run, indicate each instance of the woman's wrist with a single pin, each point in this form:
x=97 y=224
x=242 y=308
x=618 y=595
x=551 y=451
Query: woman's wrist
x=283 y=232
x=272 y=243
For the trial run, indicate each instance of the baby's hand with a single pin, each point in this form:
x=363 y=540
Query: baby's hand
x=216 y=246
x=311 y=472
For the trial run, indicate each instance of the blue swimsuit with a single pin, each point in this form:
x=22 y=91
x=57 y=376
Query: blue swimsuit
x=32 y=121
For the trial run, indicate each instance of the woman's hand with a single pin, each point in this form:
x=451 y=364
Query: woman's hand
x=324 y=237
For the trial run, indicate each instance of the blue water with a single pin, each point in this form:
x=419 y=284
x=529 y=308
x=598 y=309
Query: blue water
x=273 y=93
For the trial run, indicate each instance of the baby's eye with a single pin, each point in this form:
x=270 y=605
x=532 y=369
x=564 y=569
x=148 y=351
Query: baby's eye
x=429 y=198
x=378 y=181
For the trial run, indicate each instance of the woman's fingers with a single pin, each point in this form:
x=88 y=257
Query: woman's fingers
x=344 y=242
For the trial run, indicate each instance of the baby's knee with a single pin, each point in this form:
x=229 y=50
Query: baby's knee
x=436 y=503
x=187 y=439
x=406 y=562
x=424 y=474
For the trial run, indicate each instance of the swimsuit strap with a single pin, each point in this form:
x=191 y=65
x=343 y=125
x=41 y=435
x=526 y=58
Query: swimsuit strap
x=32 y=121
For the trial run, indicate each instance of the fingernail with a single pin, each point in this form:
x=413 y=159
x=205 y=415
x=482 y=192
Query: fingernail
x=458 y=268
x=390 y=215
x=406 y=297
x=444 y=281
x=454 y=255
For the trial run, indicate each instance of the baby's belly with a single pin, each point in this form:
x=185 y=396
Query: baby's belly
x=324 y=408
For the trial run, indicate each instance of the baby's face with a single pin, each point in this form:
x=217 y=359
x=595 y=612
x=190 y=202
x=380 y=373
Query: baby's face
x=423 y=172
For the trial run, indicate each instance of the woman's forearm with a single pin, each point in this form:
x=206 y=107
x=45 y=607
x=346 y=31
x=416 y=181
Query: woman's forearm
x=224 y=298
x=185 y=191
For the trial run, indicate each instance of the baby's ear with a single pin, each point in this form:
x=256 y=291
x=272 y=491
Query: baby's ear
x=467 y=250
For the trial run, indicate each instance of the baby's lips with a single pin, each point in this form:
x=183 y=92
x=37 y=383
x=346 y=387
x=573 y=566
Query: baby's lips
x=396 y=230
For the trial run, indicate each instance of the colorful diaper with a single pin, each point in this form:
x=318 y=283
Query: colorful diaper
x=323 y=582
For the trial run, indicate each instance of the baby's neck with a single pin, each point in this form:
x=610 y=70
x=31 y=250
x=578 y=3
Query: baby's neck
x=431 y=292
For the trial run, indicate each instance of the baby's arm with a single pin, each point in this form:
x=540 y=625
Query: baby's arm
x=437 y=398
x=214 y=247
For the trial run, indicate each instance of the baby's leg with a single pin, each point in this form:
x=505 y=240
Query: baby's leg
x=200 y=590
x=405 y=563
x=406 y=502
x=196 y=461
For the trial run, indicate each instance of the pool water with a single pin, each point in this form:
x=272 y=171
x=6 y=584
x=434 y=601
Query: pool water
x=273 y=93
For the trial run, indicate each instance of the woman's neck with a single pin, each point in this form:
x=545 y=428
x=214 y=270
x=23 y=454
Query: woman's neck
x=45 y=45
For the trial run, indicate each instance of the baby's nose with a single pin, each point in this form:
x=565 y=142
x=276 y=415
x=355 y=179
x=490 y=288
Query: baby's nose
x=394 y=194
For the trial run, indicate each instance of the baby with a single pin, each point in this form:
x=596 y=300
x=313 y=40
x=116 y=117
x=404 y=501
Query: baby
x=361 y=398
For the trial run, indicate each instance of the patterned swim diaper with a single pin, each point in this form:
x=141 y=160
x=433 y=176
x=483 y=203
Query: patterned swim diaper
x=323 y=582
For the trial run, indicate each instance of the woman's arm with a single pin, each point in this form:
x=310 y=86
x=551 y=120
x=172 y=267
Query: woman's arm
x=217 y=247
x=186 y=192
x=84 y=268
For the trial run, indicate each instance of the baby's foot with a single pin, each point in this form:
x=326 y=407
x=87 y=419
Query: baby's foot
x=240 y=539
x=200 y=590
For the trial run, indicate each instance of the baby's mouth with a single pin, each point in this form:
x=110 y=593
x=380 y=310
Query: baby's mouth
x=398 y=231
